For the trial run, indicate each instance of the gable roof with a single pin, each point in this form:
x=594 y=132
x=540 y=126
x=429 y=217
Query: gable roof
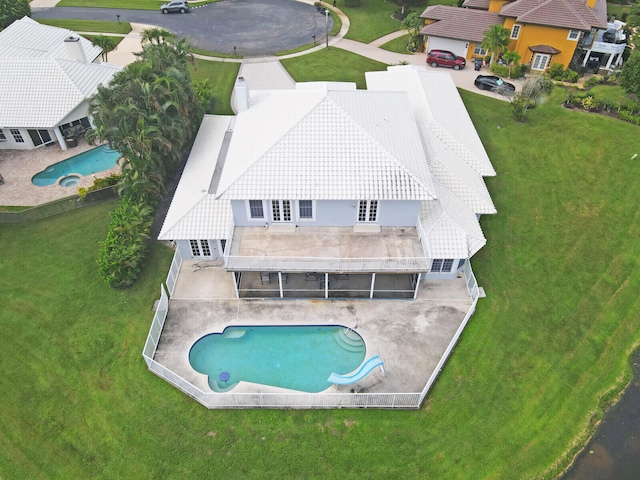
x=574 y=14
x=28 y=38
x=326 y=144
x=459 y=23
x=55 y=87
x=480 y=4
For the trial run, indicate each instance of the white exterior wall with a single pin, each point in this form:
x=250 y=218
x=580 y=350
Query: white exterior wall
x=459 y=47
x=184 y=247
x=11 y=144
x=335 y=213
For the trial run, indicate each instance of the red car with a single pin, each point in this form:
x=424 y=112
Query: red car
x=444 y=58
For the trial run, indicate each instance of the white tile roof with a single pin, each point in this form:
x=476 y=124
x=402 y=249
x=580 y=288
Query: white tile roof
x=326 y=144
x=28 y=38
x=54 y=88
x=451 y=228
x=194 y=213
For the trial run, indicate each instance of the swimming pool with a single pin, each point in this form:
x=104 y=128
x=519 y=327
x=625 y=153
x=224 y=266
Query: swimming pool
x=92 y=161
x=298 y=358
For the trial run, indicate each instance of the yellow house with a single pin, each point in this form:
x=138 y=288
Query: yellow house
x=541 y=31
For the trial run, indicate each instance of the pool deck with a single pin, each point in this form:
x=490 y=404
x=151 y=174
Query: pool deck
x=18 y=166
x=409 y=335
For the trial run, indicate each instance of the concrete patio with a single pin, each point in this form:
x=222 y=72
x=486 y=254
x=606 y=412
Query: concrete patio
x=410 y=336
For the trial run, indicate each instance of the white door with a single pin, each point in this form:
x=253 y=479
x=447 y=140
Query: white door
x=540 y=61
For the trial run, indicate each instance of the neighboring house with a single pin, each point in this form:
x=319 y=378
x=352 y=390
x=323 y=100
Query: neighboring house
x=543 y=32
x=326 y=191
x=48 y=75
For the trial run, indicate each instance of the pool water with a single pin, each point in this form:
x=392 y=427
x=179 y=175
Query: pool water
x=298 y=358
x=92 y=161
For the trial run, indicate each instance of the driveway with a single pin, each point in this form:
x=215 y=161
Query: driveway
x=254 y=27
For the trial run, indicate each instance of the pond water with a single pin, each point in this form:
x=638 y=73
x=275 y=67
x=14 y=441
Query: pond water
x=614 y=451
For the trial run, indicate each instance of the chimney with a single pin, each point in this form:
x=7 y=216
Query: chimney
x=241 y=90
x=74 y=48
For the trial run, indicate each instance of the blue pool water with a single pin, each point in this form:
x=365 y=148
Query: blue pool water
x=92 y=161
x=298 y=358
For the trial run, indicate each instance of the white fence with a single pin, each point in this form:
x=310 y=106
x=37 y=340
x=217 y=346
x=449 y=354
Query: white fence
x=319 y=264
x=174 y=271
x=298 y=400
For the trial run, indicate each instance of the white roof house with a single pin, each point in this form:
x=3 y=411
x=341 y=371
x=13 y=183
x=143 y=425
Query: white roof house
x=46 y=80
x=408 y=137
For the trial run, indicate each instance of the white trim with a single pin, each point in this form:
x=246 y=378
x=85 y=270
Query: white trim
x=535 y=61
x=515 y=32
x=313 y=211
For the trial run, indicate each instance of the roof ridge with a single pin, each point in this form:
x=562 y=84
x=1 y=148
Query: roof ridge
x=169 y=228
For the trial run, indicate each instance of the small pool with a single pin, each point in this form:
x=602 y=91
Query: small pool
x=298 y=358
x=92 y=161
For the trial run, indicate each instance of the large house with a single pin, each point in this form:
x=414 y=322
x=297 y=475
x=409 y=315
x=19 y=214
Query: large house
x=542 y=32
x=48 y=75
x=326 y=191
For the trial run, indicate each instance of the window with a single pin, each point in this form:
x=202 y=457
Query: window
x=573 y=35
x=200 y=248
x=256 y=210
x=17 y=136
x=39 y=137
x=3 y=138
x=479 y=50
x=281 y=210
x=368 y=211
x=441 y=265
x=223 y=245
x=515 y=31
x=540 y=61
x=305 y=209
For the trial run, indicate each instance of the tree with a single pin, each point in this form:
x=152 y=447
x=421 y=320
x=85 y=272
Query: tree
x=12 y=10
x=413 y=24
x=495 y=39
x=156 y=35
x=630 y=75
x=534 y=91
x=511 y=57
x=150 y=113
x=106 y=43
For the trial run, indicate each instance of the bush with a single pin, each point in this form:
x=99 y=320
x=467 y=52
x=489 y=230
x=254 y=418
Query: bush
x=503 y=71
x=570 y=76
x=556 y=71
x=122 y=252
x=629 y=116
x=589 y=103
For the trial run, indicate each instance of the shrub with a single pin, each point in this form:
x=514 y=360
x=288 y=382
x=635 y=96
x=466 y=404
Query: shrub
x=607 y=104
x=570 y=76
x=589 y=103
x=629 y=116
x=122 y=252
x=556 y=71
x=503 y=71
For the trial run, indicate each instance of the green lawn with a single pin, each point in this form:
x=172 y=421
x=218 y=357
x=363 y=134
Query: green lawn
x=561 y=274
x=370 y=21
x=332 y=64
x=614 y=93
x=222 y=76
x=398 y=45
x=88 y=25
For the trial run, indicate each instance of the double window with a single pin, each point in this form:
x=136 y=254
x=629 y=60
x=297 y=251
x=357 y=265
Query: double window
x=40 y=137
x=573 y=35
x=368 y=211
x=540 y=61
x=515 y=31
x=479 y=50
x=441 y=265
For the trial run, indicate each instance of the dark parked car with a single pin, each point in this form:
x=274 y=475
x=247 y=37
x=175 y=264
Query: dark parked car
x=495 y=84
x=445 y=58
x=175 y=7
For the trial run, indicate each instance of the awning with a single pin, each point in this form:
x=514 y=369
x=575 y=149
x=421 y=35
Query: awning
x=548 y=49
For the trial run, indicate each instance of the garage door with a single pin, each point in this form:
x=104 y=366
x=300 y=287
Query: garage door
x=459 y=47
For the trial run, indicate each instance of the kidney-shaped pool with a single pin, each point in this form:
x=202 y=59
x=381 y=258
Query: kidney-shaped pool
x=298 y=358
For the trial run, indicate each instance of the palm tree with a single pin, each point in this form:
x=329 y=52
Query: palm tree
x=106 y=43
x=495 y=39
x=155 y=35
x=511 y=57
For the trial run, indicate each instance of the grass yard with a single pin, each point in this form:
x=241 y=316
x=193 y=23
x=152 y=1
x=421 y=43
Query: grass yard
x=370 y=21
x=614 y=93
x=222 y=76
x=398 y=45
x=332 y=64
x=101 y=26
x=553 y=335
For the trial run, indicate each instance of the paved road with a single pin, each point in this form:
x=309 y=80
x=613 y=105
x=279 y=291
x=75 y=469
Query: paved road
x=255 y=27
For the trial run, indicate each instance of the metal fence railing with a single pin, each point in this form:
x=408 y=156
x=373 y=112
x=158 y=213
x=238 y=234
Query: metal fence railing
x=174 y=271
x=58 y=206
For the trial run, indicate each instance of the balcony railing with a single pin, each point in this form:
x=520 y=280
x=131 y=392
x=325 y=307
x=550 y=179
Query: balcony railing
x=320 y=264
